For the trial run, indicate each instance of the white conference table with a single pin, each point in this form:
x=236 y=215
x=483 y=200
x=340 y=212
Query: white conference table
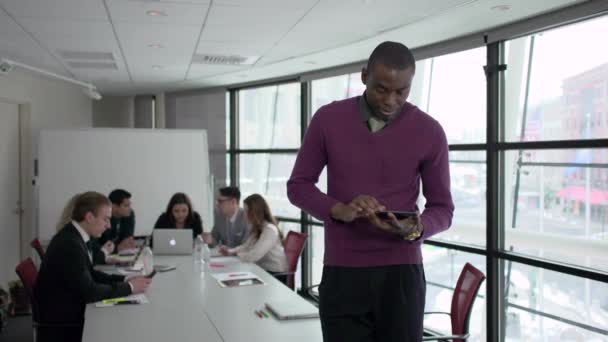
x=187 y=304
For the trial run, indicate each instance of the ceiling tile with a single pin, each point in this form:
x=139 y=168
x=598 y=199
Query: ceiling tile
x=233 y=48
x=134 y=12
x=56 y=9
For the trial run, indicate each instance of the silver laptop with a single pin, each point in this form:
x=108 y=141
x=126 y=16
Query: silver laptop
x=292 y=309
x=172 y=241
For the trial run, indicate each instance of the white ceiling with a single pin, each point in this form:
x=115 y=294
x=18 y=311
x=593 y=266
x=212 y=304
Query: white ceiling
x=289 y=36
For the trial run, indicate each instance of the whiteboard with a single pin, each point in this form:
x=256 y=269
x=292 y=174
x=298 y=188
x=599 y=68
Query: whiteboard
x=152 y=164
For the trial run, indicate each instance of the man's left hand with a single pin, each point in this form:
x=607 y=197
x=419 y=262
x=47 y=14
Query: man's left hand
x=128 y=243
x=108 y=247
x=409 y=228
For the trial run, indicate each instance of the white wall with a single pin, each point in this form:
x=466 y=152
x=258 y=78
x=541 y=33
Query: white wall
x=44 y=103
x=202 y=109
x=53 y=103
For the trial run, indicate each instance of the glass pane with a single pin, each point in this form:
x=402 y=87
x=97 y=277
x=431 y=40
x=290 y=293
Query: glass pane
x=269 y=117
x=318 y=250
x=544 y=305
x=558 y=198
x=468 y=185
x=442 y=268
x=228 y=132
x=567 y=94
x=227 y=181
x=452 y=89
x=267 y=175
x=330 y=89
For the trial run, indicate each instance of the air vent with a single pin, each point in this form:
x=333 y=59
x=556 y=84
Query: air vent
x=224 y=60
x=93 y=65
x=87 y=55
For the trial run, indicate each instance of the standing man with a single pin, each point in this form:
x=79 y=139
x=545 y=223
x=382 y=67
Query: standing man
x=377 y=149
x=231 y=227
x=67 y=280
x=119 y=236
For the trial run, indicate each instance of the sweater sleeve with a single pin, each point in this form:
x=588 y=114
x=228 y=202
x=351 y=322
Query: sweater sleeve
x=435 y=174
x=267 y=240
x=312 y=158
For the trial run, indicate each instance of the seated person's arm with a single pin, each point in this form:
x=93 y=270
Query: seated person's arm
x=79 y=277
x=127 y=230
x=261 y=247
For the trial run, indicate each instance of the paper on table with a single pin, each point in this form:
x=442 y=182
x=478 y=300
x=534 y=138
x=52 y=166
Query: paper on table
x=141 y=298
x=224 y=259
x=236 y=279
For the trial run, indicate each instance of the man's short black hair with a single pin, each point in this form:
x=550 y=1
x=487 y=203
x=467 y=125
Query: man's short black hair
x=393 y=55
x=231 y=192
x=119 y=195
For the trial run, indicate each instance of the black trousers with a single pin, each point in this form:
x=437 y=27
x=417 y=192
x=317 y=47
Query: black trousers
x=55 y=334
x=380 y=304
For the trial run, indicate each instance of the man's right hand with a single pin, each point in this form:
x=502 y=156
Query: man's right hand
x=140 y=284
x=208 y=238
x=360 y=206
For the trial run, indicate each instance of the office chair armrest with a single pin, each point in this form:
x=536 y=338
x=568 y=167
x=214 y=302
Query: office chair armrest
x=445 y=337
x=437 y=312
x=310 y=292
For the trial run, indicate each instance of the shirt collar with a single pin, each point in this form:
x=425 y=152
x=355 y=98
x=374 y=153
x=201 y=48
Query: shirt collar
x=83 y=234
x=233 y=218
x=367 y=112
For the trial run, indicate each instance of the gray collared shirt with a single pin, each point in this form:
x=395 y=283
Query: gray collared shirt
x=367 y=113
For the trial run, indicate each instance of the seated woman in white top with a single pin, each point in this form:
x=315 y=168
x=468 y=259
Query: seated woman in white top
x=265 y=243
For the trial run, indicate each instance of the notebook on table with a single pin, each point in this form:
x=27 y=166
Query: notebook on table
x=292 y=309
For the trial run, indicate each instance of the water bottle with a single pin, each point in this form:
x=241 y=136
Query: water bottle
x=206 y=253
x=148 y=260
x=198 y=249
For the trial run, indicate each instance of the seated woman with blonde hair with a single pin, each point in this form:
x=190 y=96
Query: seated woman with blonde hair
x=265 y=243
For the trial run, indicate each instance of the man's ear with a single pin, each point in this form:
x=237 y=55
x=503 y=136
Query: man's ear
x=364 y=75
x=89 y=216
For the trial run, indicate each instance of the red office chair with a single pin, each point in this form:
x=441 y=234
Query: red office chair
x=38 y=247
x=467 y=286
x=294 y=245
x=28 y=273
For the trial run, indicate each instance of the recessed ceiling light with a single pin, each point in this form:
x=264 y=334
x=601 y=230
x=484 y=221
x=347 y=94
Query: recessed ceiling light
x=155 y=46
x=157 y=67
x=156 y=13
x=501 y=8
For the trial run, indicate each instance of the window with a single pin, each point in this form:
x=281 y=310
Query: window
x=269 y=117
x=442 y=268
x=267 y=174
x=336 y=88
x=543 y=305
x=548 y=207
x=452 y=89
x=468 y=185
x=558 y=81
x=317 y=238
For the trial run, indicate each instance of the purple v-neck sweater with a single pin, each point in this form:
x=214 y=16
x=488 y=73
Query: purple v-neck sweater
x=387 y=165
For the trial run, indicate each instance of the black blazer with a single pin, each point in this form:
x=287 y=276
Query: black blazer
x=196 y=224
x=67 y=280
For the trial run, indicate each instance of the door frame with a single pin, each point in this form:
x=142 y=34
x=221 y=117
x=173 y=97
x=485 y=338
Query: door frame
x=27 y=227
